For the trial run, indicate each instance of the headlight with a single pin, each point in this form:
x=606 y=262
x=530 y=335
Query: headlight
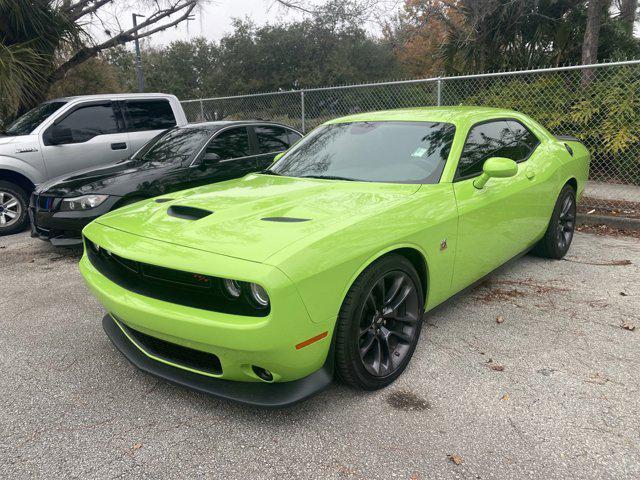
x=254 y=295
x=259 y=295
x=232 y=288
x=85 y=202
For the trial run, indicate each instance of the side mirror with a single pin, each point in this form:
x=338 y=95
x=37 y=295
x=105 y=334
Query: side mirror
x=210 y=158
x=278 y=156
x=496 y=167
x=60 y=135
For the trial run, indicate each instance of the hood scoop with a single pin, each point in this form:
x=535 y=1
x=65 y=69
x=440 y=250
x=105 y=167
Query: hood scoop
x=162 y=200
x=188 y=213
x=285 y=219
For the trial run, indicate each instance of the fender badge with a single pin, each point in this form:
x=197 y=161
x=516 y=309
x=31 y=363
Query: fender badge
x=26 y=149
x=443 y=245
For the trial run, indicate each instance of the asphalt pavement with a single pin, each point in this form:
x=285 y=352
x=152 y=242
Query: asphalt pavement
x=533 y=374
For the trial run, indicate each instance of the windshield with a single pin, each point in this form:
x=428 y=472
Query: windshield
x=398 y=152
x=173 y=146
x=28 y=122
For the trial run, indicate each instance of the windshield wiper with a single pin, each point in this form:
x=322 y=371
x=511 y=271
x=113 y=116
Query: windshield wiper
x=270 y=172
x=329 y=177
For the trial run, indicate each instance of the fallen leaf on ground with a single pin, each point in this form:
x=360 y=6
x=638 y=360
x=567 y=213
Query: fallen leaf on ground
x=628 y=326
x=455 y=458
x=499 y=319
x=624 y=294
x=495 y=365
x=136 y=446
x=598 y=378
x=505 y=397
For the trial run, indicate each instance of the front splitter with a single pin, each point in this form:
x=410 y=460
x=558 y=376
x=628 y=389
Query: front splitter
x=256 y=394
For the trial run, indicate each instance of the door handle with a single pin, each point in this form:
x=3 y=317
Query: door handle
x=530 y=173
x=119 y=146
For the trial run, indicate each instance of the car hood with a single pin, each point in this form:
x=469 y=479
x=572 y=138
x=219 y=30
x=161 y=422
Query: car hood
x=112 y=179
x=4 y=139
x=256 y=216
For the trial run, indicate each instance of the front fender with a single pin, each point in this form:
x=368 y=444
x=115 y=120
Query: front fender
x=22 y=167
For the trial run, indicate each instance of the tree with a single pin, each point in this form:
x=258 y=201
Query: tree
x=57 y=35
x=321 y=50
x=591 y=37
x=628 y=10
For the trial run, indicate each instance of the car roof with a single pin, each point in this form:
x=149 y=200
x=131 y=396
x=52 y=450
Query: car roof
x=213 y=125
x=455 y=115
x=111 y=96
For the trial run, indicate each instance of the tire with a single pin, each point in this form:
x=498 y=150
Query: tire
x=14 y=202
x=557 y=239
x=367 y=323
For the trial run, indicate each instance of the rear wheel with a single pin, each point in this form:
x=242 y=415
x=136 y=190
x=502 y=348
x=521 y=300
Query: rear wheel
x=379 y=324
x=13 y=208
x=557 y=239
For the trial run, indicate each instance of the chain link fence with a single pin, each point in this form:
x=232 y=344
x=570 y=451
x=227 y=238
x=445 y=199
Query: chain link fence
x=599 y=104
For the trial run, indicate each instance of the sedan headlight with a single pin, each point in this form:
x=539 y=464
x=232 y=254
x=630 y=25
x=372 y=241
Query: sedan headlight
x=85 y=202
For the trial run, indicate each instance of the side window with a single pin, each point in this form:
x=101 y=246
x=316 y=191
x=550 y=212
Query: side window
x=150 y=115
x=523 y=136
x=229 y=144
x=501 y=138
x=87 y=122
x=272 y=139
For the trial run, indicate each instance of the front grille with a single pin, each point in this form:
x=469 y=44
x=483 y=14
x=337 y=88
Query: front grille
x=45 y=203
x=171 y=352
x=169 y=285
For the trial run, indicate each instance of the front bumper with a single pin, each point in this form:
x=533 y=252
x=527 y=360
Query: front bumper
x=266 y=395
x=239 y=342
x=63 y=228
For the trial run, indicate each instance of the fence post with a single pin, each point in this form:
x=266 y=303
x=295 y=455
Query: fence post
x=201 y=111
x=439 y=91
x=302 y=110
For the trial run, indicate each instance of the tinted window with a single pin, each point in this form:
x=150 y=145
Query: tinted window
x=90 y=121
x=228 y=144
x=150 y=115
x=30 y=120
x=175 y=146
x=273 y=139
x=402 y=152
x=501 y=138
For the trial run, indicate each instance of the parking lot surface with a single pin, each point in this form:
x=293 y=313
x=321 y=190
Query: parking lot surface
x=533 y=374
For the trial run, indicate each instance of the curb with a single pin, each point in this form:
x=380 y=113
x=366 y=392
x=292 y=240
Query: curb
x=617 y=222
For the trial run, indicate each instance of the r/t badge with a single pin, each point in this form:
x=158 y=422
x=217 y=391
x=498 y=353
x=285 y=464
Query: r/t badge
x=443 y=245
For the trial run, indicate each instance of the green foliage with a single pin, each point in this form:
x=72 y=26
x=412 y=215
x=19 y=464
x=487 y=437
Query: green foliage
x=605 y=115
x=274 y=57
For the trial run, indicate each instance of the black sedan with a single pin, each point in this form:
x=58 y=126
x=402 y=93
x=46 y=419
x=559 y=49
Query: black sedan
x=179 y=158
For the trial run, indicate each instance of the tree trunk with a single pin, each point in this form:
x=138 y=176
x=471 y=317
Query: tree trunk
x=591 y=35
x=628 y=14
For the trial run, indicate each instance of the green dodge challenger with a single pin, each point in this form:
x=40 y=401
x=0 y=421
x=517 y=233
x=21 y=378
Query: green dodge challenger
x=259 y=289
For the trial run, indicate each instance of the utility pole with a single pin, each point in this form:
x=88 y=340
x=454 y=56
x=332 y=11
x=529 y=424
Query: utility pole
x=138 y=58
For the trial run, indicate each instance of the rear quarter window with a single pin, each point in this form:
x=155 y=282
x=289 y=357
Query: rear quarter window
x=149 y=115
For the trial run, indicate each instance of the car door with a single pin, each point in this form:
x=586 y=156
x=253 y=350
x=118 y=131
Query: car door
x=145 y=118
x=503 y=218
x=228 y=154
x=270 y=140
x=89 y=135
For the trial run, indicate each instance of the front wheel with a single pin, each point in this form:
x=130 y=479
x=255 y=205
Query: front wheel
x=13 y=208
x=379 y=324
x=557 y=239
